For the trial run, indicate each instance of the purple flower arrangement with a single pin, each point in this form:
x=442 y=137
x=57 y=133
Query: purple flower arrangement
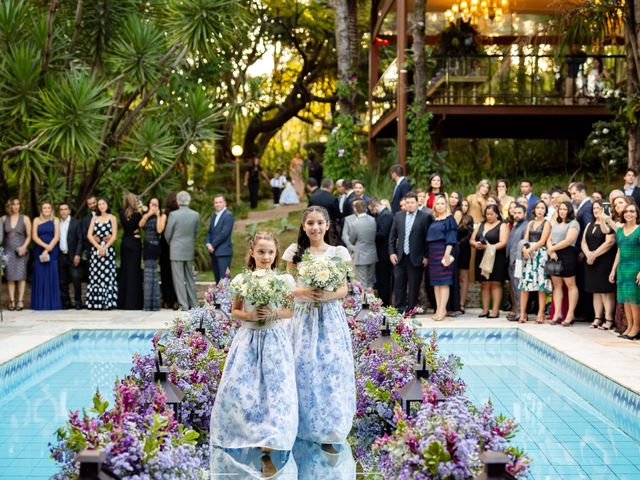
x=220 y=293
x=139 y=434
x=445 y=440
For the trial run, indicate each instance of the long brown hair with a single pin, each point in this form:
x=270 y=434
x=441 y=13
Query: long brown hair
x=129 y=205
x=303 y=239
x=251 y=262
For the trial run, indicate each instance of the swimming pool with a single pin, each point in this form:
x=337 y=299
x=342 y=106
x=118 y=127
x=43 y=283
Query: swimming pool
x=574 y=423
x=38 y=389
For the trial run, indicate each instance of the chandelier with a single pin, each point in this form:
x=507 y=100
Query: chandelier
x=474 y=10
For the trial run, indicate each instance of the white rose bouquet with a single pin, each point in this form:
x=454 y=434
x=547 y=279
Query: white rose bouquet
x=263 y=288
x=323 y=273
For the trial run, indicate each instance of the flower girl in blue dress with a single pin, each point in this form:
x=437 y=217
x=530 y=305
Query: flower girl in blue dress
x=321 y=341
x=256 y=404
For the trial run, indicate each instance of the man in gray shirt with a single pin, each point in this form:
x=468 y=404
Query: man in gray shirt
x=514 y=249
x=180 y=233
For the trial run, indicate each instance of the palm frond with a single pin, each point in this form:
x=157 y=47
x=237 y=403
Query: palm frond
x=19 y=76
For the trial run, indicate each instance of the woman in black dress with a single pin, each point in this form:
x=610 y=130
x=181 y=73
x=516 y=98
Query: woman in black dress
x=152 y=223
x=465 y=229
x=598 y=244
x=493 y=231
x=130 y=284
x=169 y=299
x=252 y=180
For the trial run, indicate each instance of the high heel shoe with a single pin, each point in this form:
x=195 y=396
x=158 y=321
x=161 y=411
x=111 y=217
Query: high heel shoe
x=20 y=305
x=567 y=323
x=483 y=315
x=596 y=322
x=634 y=337
x=556 y=321
x=12 y=305
x=608 y=325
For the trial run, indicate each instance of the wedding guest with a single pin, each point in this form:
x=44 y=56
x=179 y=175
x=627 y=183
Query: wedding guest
x=321 y=341
x=630 y=187
x=102 y=291
x=526 y=190
x=91 y=204
x=490 y=240
x=514 y=253
x=261 y=361
x=350 y=196
x=441 y=239
x=407 y=252
x=561 y=247
x=218 y=240
x=342 y=195
x=504 y=199
x=69 y=266
x=181 y=230
x=401 y=187
x=453 y=305
x=45 y=285
x=296 y=167
x=323 y=197
x=534 y=277
x=276 y=186
x=359 y=192
x=130 y=295
x=17 y=236
x=152 y=224
x=436 y=187
x=478 y=201
x=625 y=268
x=583 y=205
x=359 y=236
x=252 y=180
x=597 y=245
x=422 y=198
x=314 y=168
x=465 y=230
x=169 y=299
x=384 y=268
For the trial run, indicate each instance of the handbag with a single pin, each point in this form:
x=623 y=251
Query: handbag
x=553 y=268
x=45 y=258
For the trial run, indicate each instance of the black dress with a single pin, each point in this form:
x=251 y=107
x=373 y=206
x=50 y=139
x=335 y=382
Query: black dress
x=465 y=230
x=492 y=237
x=254 y=185
x=130 y=279
x=596 y=279
x=166 y=279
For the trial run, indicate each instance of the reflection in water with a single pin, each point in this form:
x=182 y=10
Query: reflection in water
x=307 y=461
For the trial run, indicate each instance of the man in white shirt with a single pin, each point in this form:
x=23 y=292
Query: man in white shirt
x=69 y=269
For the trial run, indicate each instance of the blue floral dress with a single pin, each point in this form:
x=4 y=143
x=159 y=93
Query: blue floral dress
x=256 y=404
x=315 y=463
x=247 y=463
x=324 y=365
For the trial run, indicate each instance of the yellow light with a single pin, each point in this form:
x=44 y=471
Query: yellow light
x=286 y=145
x=489 y=101
x=463 y=5
x=317 y=125
x=455 y=8
x=236 y=150
x=324 y=139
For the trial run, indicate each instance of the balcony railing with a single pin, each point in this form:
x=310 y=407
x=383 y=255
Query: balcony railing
x=510 y=80
x=524 y=79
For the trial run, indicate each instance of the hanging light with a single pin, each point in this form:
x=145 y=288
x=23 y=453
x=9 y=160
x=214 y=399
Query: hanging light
x=474 y=10
x=286 y=145
x=317 y=125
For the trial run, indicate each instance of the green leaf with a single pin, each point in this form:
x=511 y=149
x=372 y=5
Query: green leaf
x=99 y=404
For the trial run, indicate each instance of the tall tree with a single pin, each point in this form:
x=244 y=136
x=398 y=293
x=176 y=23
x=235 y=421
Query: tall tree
x=346 y=23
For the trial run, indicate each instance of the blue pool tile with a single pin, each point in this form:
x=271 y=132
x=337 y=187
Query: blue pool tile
x=569 y=470
x=628 y=468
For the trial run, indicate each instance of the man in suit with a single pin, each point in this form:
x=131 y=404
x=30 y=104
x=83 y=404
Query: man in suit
x=630 y=188
x=315 y=169
x=323 y=197
x=400 y=189
x=584 y=216
x=359 y=237
x=92 y=203
x=350 y=196
x=526 y=189
x=384 y=268
x=513 y=253
x=407 y=252
x=218 y=240
x=180 y=233
x=69 y=268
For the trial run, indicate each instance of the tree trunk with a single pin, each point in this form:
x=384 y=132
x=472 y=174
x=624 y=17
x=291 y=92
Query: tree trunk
x=344 y=55
x=632 y=39
x=419 y=58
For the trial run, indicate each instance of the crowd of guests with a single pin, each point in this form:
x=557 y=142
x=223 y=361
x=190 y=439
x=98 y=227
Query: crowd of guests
x=156 y=253
x=566 y=255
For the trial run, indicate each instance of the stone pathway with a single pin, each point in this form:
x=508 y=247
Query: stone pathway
x=266 y=215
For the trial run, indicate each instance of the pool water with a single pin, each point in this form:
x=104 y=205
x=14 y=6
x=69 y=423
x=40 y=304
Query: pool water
x=38 y=389
x=574 y=423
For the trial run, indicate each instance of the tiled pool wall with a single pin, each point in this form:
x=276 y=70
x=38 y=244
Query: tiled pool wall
x=614 y=401
x=64 y=349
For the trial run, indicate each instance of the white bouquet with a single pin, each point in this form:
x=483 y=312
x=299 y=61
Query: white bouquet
x=263 y=288
x=323 y=273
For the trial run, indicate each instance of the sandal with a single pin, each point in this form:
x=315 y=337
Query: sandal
x=20 y=305
x=596 y=322
x=608 y=325
x=12 y=305
x=567 y=323
x=540 y=319
x=556 y=321
x=523 y=319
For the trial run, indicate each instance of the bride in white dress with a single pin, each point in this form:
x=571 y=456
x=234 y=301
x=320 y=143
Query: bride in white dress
x=289 y=195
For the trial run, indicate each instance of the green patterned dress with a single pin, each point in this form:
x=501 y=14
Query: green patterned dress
x=628 y=267
x=534 y=278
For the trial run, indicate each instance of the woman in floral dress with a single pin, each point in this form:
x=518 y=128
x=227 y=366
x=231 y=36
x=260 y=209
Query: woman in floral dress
x=321 y=342
x=256 y=404
x=534 y=254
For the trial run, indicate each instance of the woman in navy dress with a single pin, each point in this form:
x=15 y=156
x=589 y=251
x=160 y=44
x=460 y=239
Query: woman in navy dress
x=441 y=239
x=45 y=289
